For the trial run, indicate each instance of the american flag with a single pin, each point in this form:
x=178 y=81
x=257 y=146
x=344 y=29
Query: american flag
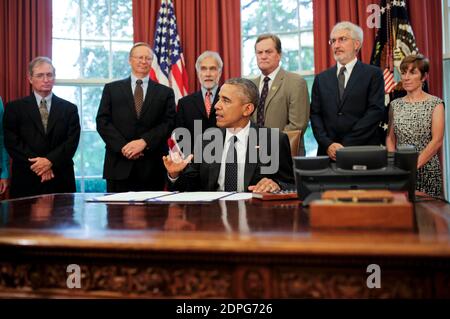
x=389 y=82
x=168 y=63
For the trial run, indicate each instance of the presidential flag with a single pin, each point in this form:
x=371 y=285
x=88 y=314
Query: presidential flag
x=394 y=41
x=168 y=66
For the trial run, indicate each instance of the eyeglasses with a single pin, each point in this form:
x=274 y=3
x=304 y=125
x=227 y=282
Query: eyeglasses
x=143 y=58
x=41 y=76
x=339 y=40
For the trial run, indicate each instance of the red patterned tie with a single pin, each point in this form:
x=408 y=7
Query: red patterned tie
x=208 y=102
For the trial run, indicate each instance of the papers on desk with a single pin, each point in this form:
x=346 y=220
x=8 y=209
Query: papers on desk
x=130 y=197
x=192 y=197
x=170 y=197
x=238 y=196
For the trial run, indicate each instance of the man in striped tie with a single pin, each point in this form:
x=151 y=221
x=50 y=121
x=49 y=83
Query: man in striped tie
x=197 y=109
x=41 y=136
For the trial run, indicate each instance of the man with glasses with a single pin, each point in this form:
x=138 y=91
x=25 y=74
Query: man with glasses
x=42 y=132
x=347 y=101
x=135 y=118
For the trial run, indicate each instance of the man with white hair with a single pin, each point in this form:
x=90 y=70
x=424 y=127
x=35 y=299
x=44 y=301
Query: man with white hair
x=198 y=107
x=347 y=99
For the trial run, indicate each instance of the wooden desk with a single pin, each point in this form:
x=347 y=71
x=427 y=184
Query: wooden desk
x=242 y=249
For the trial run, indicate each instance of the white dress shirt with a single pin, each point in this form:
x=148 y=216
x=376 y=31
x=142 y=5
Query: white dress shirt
x=48 y=100
x=271 y=76
x=348 y=70
x=241 y=149
x=213 y=93
x=144 y=84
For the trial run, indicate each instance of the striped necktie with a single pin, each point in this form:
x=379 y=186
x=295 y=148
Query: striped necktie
x=44 y=113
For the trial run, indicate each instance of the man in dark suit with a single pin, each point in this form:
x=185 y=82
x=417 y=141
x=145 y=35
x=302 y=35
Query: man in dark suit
x=197 y=109
x=135 y=118
x=42 y=132
x=240 y=157
x=347 y=102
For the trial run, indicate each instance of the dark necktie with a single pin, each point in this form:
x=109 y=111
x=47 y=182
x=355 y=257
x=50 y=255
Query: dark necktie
x=44 y=113
x=138 y=97
x=341 y=80
x=262 y=101
x=231 y=168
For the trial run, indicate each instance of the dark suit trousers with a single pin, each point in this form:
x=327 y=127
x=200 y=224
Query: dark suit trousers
x=136 y=182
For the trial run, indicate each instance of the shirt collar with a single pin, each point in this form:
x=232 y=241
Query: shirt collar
x=213 y=92
x=271 y=75
x=144 y=80
x=241 y=135
x=348 y=67
x=48 y=98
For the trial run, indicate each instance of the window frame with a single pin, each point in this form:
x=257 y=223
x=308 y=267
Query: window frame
x=82 y=83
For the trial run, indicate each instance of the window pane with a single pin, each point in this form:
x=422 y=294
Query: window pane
x=255 y=17
x=95 y=19
x=87 y=46
x=283 y=15
x=120 y=67
x=90 y=155
x=249 y=64
x=290 y=57
x=121 y=20
x=91 y=101
x=67 y=62
x=69 y=93
x=67 y=22
x=291 y=20
x=95 y=57
x=307 y=51
x=305 y=14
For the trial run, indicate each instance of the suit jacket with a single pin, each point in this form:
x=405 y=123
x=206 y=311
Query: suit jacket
x=25 y=138
x=287 y=103
x=191 y=108
x=117 y=124
x=354 y=120
x=204 y=176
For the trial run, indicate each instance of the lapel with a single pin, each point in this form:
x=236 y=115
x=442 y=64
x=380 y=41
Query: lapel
x=212 y=114
x=199 y=102
x=250 y=167
x=125 y=86
x=33 y=111
x=331 y=77
x=149 y=95
x=277 y=82
x=354 y=77
x=55 y=112
x=214 y=167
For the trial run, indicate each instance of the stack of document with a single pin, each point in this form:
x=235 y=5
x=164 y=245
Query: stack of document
x=170 y=197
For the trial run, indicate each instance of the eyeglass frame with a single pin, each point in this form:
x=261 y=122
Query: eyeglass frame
x=339 y=39
x=143 y=58
x=41 y=76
